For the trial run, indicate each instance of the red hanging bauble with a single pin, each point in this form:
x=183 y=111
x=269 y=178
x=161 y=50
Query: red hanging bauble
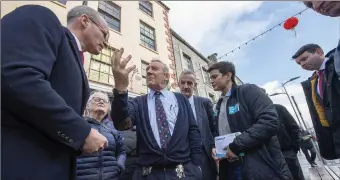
x=291 y=23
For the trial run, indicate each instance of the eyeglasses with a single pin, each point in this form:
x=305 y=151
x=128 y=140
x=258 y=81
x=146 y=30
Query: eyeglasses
x=106 y=34
x=98 y=99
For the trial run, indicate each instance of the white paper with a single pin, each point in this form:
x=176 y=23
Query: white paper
x=221 y=142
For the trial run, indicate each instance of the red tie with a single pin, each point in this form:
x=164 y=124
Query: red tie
x=320 y=82
x=82 y=56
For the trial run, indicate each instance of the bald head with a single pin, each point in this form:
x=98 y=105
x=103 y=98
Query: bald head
x=84 y=10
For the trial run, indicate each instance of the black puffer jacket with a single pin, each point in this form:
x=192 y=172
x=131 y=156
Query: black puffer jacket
x=258 y=121
x=289 y=132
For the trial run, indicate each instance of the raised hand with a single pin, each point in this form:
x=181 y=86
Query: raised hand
x=119 y=70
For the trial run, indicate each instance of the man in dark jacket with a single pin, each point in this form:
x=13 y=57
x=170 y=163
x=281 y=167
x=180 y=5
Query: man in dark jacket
x=307 y=146
x=332 y=9
x=44 y=90
x=169 y=143
x=255 y=153
x=289 y=139
x=204 y=115
x=322 y=92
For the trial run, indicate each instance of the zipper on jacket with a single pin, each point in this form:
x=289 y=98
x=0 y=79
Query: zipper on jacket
x=100 y=161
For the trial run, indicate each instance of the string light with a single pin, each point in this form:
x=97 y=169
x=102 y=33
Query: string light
x=253 y=39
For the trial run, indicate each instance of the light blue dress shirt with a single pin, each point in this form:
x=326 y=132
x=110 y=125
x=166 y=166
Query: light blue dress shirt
x=170 y=106
x=192 y=104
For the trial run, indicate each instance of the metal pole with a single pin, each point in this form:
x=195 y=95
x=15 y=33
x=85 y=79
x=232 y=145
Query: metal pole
x=291 y=104
x=315 y=146
x=297 y=108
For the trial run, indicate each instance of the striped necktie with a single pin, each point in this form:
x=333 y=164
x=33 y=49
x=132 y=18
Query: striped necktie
x=162 y=123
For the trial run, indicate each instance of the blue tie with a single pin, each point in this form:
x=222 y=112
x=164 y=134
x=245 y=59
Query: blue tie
x=162 y=123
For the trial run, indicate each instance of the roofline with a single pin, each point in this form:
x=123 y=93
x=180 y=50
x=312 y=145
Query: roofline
x=187 y=44
x=193 y=49
x=162 y=4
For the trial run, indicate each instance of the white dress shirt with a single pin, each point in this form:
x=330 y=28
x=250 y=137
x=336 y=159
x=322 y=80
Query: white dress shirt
x=77 y=41
x=192 y=103
x=322 y=67
x=170 y=106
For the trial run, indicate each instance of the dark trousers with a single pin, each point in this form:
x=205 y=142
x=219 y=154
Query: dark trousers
x=191 y=171
x=295 y=168
x=230 y=170
x=310 y=158
x=209 y=169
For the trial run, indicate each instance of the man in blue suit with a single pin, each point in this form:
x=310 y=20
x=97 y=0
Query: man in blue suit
x=204 y=115
x=169 y=144
x=44 y=90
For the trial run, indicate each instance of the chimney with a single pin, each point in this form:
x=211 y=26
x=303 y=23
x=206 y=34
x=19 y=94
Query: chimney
x=213 y=58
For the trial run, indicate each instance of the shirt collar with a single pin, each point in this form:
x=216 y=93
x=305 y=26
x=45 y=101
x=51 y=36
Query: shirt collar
x=228 y=93
x=323 y=65
x=152 y=92
x=191 y=99
x=77 y=41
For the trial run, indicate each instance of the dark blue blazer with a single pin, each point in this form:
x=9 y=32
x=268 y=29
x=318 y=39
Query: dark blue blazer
x=207 y=124
x=44 y=90
x=185 y=144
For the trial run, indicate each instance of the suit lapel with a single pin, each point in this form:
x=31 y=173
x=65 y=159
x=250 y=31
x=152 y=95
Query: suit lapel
x=75 y=50
x=198 y=109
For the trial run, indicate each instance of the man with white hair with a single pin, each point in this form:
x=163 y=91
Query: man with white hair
x=45 y=89
x=169 y=144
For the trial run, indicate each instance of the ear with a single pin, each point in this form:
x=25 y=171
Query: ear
x=167 y=76
x=319 y=51
x=84 y=20
x=195 y=85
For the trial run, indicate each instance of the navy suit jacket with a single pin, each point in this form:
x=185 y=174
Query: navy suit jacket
x=44 y=90
x=205 y=119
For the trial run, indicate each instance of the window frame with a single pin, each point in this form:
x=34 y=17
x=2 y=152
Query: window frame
x=145 y=36
x=144 y=76
x=99 y=71
x=206 y=76
x=188 y=61
x=103 y=12
x=145 y=9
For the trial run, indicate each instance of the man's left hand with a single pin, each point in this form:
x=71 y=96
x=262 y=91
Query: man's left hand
x=230 y=156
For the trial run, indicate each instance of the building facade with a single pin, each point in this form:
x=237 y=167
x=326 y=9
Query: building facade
x=140 y=27
x=188 y=58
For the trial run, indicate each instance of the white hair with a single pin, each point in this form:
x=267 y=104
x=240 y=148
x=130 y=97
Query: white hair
x=93 y=93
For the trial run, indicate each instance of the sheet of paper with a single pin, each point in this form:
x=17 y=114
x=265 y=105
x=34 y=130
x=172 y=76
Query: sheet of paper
x=222 y=142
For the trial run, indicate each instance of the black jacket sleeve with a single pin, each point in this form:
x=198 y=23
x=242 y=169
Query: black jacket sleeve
x=266 y=122
x=291 y=126
x=211 y=117
x=123 y=111
x=30 y=49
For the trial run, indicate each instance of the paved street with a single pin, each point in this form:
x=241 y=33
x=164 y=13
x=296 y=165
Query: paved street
x=305 y=165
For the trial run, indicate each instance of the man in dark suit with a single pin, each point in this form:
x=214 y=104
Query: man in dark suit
x=169 y=145
x=44 y=90
x=322 y=91
x=204 y=115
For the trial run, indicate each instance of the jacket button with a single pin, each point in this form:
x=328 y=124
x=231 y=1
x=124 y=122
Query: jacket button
x=63 y=136
x=70 y=141
x=58 y=133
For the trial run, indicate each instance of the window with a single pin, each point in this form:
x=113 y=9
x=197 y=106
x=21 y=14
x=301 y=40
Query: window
x=62 y=2
x=206 y=76
x=146 y=7
x=111 y=13
x=147 y=36
x=187 y=62
x=143 y=73
x=84 y=3
x=100 y=67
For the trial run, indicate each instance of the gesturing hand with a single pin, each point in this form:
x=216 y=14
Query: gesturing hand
x=119 y=70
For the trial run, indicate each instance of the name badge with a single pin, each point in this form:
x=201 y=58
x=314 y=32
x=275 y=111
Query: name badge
x=234 y=109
